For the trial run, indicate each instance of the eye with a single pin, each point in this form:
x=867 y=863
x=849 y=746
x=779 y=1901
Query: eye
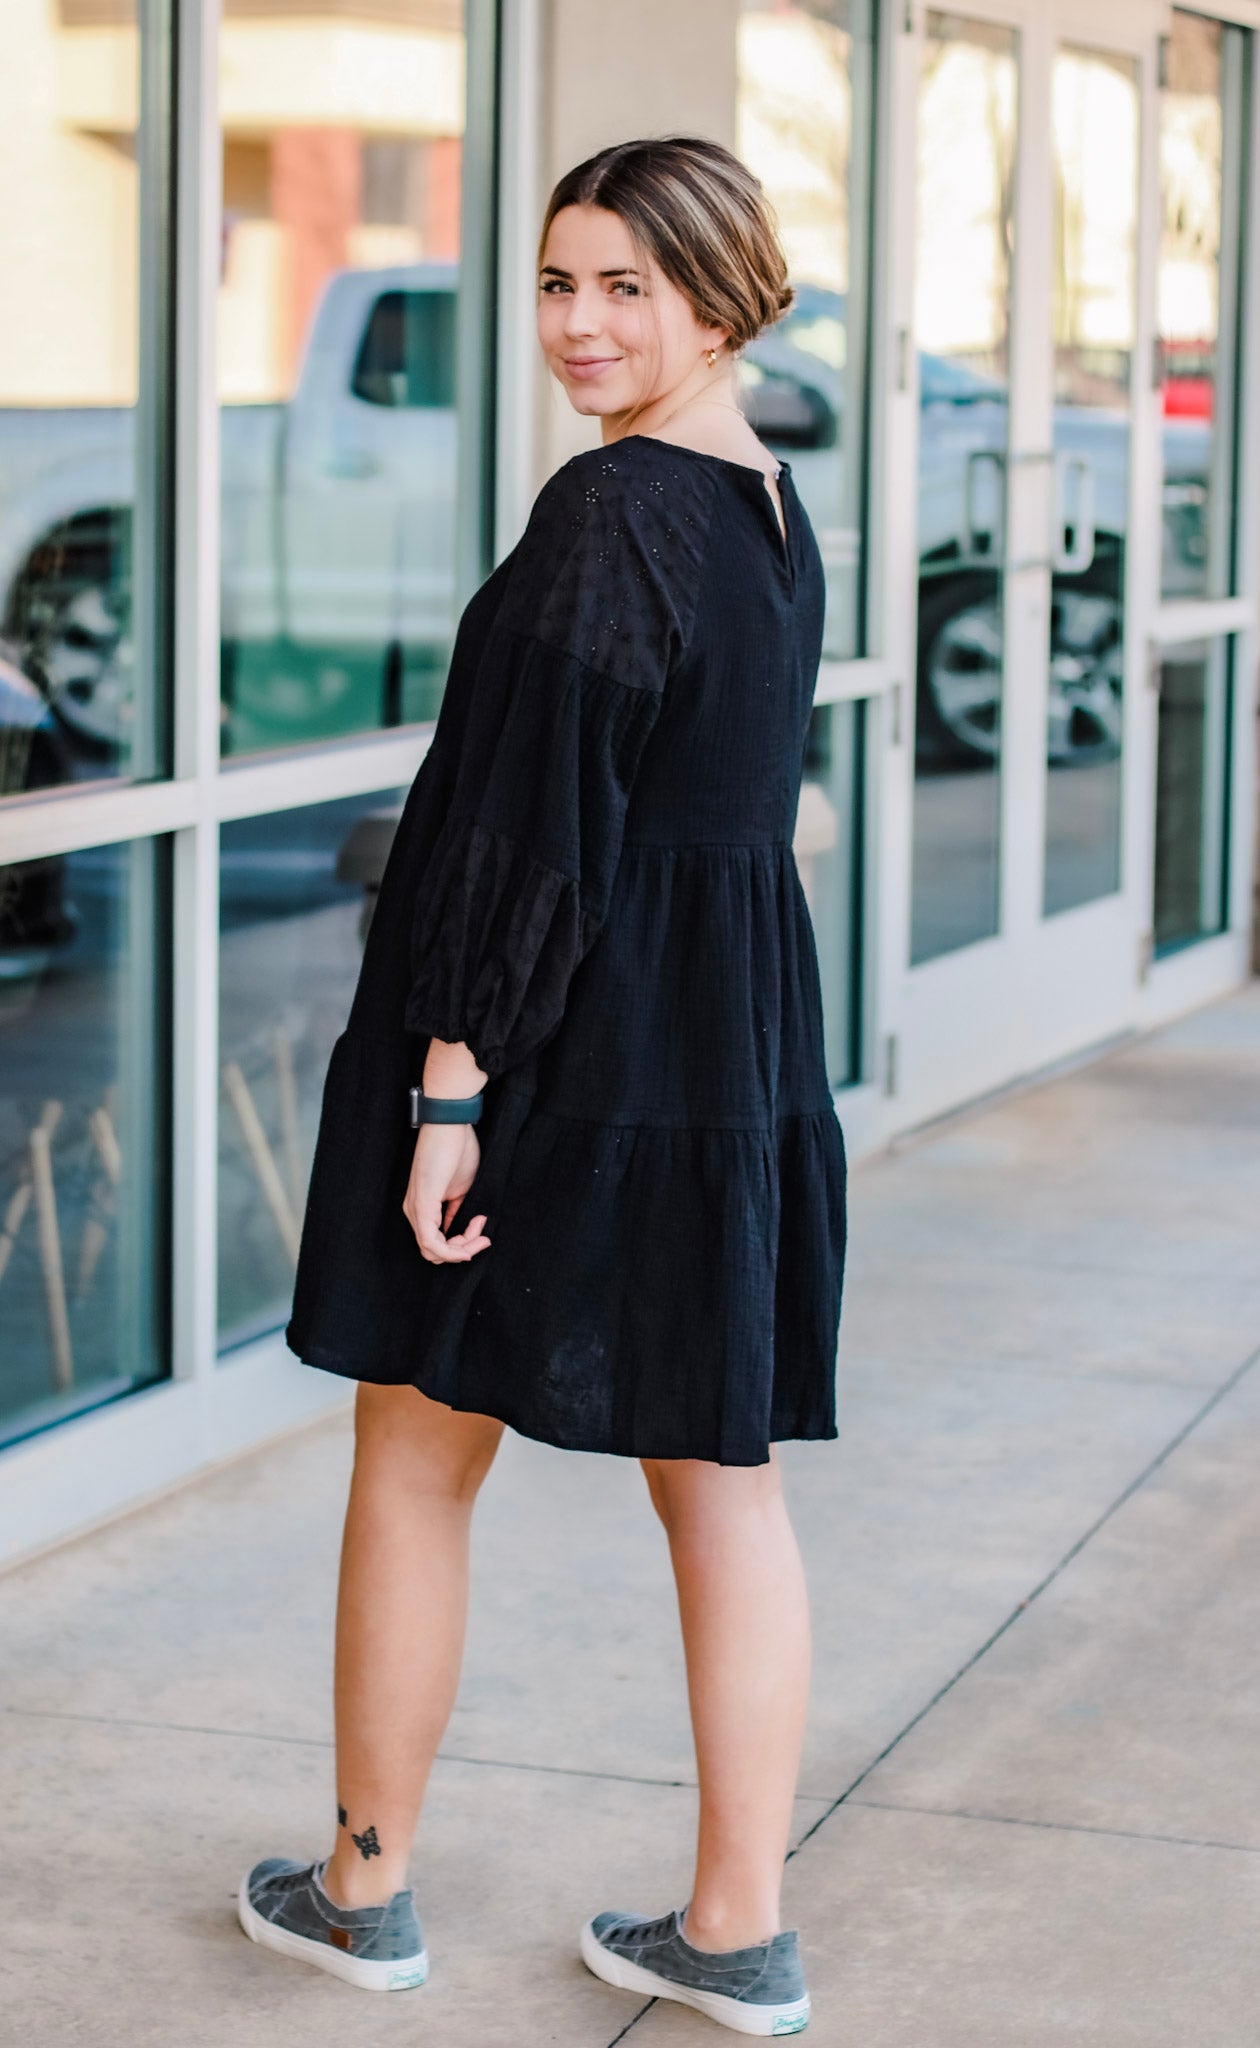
x=552 y=284
x=632 y=289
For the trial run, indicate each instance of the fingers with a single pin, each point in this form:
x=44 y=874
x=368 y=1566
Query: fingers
x=470 y=1241
x=441 y=1250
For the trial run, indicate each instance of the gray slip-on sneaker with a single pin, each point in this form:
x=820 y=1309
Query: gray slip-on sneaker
x=283 y=1905
x=757 y=1990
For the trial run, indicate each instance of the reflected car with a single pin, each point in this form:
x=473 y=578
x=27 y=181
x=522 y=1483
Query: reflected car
x=34 y=919
x=963 y=427
x=338 y=549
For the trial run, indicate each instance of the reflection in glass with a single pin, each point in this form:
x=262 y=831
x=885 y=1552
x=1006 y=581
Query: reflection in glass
x=296 y=891
x=828 y=842
x=965 y=233
x=82 y=1134
x=1202 y=118
x=1095 y=113
x=1192 y=793
x=803 y=125
x=342 y=164
x=72 y=152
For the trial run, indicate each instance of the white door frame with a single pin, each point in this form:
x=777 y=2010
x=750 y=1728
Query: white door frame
x=1198 y=973
x=957 y=1027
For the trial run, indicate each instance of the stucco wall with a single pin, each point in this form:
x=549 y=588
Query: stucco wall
x=604 y=81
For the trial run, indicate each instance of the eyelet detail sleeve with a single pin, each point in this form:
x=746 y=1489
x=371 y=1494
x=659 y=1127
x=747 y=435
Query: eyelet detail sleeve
x=597 y=610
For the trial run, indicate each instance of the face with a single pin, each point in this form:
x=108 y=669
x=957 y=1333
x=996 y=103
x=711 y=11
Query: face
x=614 y=335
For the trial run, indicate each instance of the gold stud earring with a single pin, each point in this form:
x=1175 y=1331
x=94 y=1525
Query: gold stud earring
x=712 y=357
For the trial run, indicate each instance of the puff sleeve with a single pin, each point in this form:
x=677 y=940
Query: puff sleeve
x=597 y=609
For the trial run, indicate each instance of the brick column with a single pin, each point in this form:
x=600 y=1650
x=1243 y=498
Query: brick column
x=316 y=197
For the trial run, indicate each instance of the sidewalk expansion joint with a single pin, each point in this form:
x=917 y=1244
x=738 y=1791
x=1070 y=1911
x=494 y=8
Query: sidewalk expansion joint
x=641 y=2014
x=1135 y=1485
x=490 y=1763
x=1062 y=1827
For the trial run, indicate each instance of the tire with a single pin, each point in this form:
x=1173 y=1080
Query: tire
x=960 y=666
x=70 y=618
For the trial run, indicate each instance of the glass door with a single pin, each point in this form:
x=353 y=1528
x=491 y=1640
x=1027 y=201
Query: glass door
x=1095 y=105
x=967 y=124
x=1023 y=913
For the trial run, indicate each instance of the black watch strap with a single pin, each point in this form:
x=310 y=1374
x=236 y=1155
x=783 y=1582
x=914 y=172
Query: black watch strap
x=443 y=1109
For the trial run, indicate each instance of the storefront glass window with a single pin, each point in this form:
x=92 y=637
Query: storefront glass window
x=341 y=291
x=296 y=891
x=82 y=252
x=83 y=1145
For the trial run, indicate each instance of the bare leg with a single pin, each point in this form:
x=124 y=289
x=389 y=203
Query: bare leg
x=402 y=1607
x=744 y=1611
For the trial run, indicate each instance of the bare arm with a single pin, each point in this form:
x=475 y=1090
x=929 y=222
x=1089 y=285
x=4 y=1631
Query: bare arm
x=445 y=1160
x=451 y=1070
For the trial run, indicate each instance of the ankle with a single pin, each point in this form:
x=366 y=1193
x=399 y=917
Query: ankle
x=350 y=1886
x=730 y=1930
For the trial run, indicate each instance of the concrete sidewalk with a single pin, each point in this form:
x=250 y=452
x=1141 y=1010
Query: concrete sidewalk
x=1029 y=1808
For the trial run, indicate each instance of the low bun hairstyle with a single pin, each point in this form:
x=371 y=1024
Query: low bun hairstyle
x=702 y=217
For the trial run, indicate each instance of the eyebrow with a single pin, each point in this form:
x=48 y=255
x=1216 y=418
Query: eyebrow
x=555 y=271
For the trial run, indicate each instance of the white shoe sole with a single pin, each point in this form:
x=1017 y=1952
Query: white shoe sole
x=728 y=2012
x=368 y=1974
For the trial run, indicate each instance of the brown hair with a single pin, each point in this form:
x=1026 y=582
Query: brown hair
x=703 y=218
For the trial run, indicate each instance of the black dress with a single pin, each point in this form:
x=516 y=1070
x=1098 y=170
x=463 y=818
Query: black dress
x=593 y=885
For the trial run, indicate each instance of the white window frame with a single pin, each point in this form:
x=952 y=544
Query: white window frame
x=81 y=1471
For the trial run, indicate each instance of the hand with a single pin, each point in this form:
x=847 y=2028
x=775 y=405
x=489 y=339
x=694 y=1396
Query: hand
x=443 y=1166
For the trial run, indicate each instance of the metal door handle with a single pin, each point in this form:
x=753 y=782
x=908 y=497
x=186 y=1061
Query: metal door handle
x=1074 y=561
x=970 y=534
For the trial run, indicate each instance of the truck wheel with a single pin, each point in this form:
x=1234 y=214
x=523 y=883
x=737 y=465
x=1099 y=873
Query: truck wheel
x=71 y=621
x=960 y=667
x=1085 y=711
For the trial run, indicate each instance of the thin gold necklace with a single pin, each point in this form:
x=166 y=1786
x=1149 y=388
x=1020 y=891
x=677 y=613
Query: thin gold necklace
x=726 y=407
x=724 y=403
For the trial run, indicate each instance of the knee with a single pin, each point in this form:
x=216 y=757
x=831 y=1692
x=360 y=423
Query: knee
x=403 y=1438
x=691 y=1494
x=655 y=1486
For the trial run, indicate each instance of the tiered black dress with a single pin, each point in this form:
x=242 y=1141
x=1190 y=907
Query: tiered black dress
x=593 y=885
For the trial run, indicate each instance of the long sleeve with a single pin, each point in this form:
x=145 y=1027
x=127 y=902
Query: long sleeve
x=595 y=616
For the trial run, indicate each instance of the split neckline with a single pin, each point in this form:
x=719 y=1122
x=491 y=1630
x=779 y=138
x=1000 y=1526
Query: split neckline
x=783 y=472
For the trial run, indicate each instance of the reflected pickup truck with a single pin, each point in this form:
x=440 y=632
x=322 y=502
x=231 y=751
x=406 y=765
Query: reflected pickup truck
x=337 y=529
x=338 y=569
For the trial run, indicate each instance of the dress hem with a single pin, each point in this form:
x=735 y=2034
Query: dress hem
x=324 y=1361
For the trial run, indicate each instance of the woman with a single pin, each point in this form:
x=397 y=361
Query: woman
x=621 y=1225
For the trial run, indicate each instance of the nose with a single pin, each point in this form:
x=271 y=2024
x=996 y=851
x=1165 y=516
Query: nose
x=583 y=318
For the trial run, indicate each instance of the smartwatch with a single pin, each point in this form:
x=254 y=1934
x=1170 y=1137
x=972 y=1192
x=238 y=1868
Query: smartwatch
x=443 y=1109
